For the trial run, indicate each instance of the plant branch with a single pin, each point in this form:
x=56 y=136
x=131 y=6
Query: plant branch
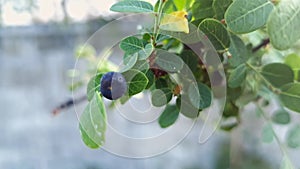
x=264 y=43
x=68 y=104
x=157 y=20
x=268 y=84
x=280 y=144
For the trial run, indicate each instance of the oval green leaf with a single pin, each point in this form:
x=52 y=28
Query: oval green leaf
x=293 y=60
x=181 y=5
x=132 y=6
x=136 y=81
x=220 y=7
x=267 y=134
x=281 y=117
x=168 y=62
x=230 y=109
x=284 y=23
x=132 y=44
x=278 y=74
x=161 y=83
x=203 y=9
x=237 y=76
x=216 y=33
x=93 y=86
x=141 y=65
x=151 y=78
x=290 y=96
x=238 y=51
x=293 y=137
x=186 y=107
x=169 y=116
x=200 y=95
x=244 y=16
x=161 y=97
x=129 y=62
x=145 y=52
x=92 y=123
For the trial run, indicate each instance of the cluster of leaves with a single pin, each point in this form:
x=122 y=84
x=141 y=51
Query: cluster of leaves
x=152 y=61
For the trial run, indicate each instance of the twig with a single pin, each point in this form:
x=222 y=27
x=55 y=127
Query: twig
x=280 y=144
x=264 y=43
x=68 y=104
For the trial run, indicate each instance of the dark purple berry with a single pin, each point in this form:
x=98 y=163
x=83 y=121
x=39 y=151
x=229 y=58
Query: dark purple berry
x=113 y=85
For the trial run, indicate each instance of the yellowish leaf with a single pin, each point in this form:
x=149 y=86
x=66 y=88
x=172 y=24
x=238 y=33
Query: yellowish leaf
x=175 y=21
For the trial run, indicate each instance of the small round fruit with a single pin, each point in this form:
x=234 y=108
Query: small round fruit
x=113 y=85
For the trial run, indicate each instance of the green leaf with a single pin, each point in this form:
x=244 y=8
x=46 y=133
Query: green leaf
x=278 y=74
x=169 y=116
x=93 y=86
x=145 y=52
x=92 y=123
x=162 y=37
x=233 y=94
x=200 y=95
x=237 y=76
x=129 y=61
x=220 y=7
x=161 y=83
x=132 y=45
x=161 y=97
x=203 y=9
x=168 y=62
x=293 y=137
x=230 y=109
x=186 y=107
x=293 y=60
x=86 y=139
x=245 y=16
x=179 y=4
x=141 y=65
x=281 y=117
x=190 y=59
x=182 y=4
x=136 y=81
x=168 y=7
x=132 y=6
x=267 y=134
x=216 y=33
x=238 y=51
x=290 y=96
x=151 y=78
x=283 y=24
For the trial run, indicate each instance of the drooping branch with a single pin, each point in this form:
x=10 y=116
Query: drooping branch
x=69 y=103
x=264 y=43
